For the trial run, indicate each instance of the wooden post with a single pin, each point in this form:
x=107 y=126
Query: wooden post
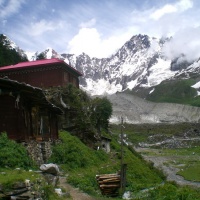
x=123 y=177
x=121 y=141
x=121 y=172
x=123 y=166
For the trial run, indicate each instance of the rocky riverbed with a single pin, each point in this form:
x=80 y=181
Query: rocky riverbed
x=168 y=164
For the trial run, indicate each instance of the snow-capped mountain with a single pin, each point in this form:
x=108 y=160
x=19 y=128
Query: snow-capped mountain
x=11 y=45
x=48 y=53
x=140 y=63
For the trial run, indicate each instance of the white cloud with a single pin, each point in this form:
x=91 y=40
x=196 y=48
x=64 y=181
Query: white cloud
x=183 y=5
x=8 y=8
x=180 y=6
x=88 y=24
x=43 y=26
x=91 y=42
x=162 y=11
x=185 y=41
x=85 y=41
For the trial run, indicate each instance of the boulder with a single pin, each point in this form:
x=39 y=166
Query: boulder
x=50 y=169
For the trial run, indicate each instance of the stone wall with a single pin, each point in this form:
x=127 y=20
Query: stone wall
x=39 y=151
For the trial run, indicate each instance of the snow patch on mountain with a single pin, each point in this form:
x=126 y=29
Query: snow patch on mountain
x=101 y=87
x=159 y=72
x=196 y=86
x=30 y=55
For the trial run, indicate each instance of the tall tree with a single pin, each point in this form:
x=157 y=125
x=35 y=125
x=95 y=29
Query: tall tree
x=101 y=112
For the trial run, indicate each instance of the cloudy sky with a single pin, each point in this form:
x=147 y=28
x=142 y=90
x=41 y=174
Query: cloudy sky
x=98 y=27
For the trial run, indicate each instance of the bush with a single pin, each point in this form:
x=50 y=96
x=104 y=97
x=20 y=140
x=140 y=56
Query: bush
x=13 y=154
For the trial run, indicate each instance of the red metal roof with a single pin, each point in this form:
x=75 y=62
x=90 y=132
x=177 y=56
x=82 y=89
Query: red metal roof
x=37 y=63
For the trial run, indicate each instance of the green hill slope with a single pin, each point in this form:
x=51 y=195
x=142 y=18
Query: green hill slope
x=82 y=164
x=176 y=91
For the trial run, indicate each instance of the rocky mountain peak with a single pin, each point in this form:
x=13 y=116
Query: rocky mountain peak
x=11 y=45
x=51 y=53
x=7 y=42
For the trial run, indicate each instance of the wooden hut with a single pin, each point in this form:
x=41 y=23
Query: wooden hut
x=25 y=113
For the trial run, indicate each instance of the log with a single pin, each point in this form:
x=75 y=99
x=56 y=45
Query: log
x=107 y=179
x=110 y=179
x=107 y=175
x=109 y=183
x=109 y=186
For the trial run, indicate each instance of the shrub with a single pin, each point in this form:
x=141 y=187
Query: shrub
x=13 y=154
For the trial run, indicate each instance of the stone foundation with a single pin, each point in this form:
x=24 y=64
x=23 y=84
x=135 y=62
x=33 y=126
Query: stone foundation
x=40 y=152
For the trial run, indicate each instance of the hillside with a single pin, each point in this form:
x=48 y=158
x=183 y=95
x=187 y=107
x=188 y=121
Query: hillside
x=82 y=164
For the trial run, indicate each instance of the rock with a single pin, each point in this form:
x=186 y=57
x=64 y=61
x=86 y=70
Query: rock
x=50 y=169
x=16 y=192
x=51 y=179
x=19 y=185
x=58 y=191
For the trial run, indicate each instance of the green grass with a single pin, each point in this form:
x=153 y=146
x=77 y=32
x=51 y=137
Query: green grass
x=8 y=175
x=191 y=172
x=13 y=154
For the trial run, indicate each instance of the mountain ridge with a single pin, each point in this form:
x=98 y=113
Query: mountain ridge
x=139 y=66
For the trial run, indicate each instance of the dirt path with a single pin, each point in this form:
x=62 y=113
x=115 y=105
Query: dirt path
x=75 y=193
x=169 y=170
